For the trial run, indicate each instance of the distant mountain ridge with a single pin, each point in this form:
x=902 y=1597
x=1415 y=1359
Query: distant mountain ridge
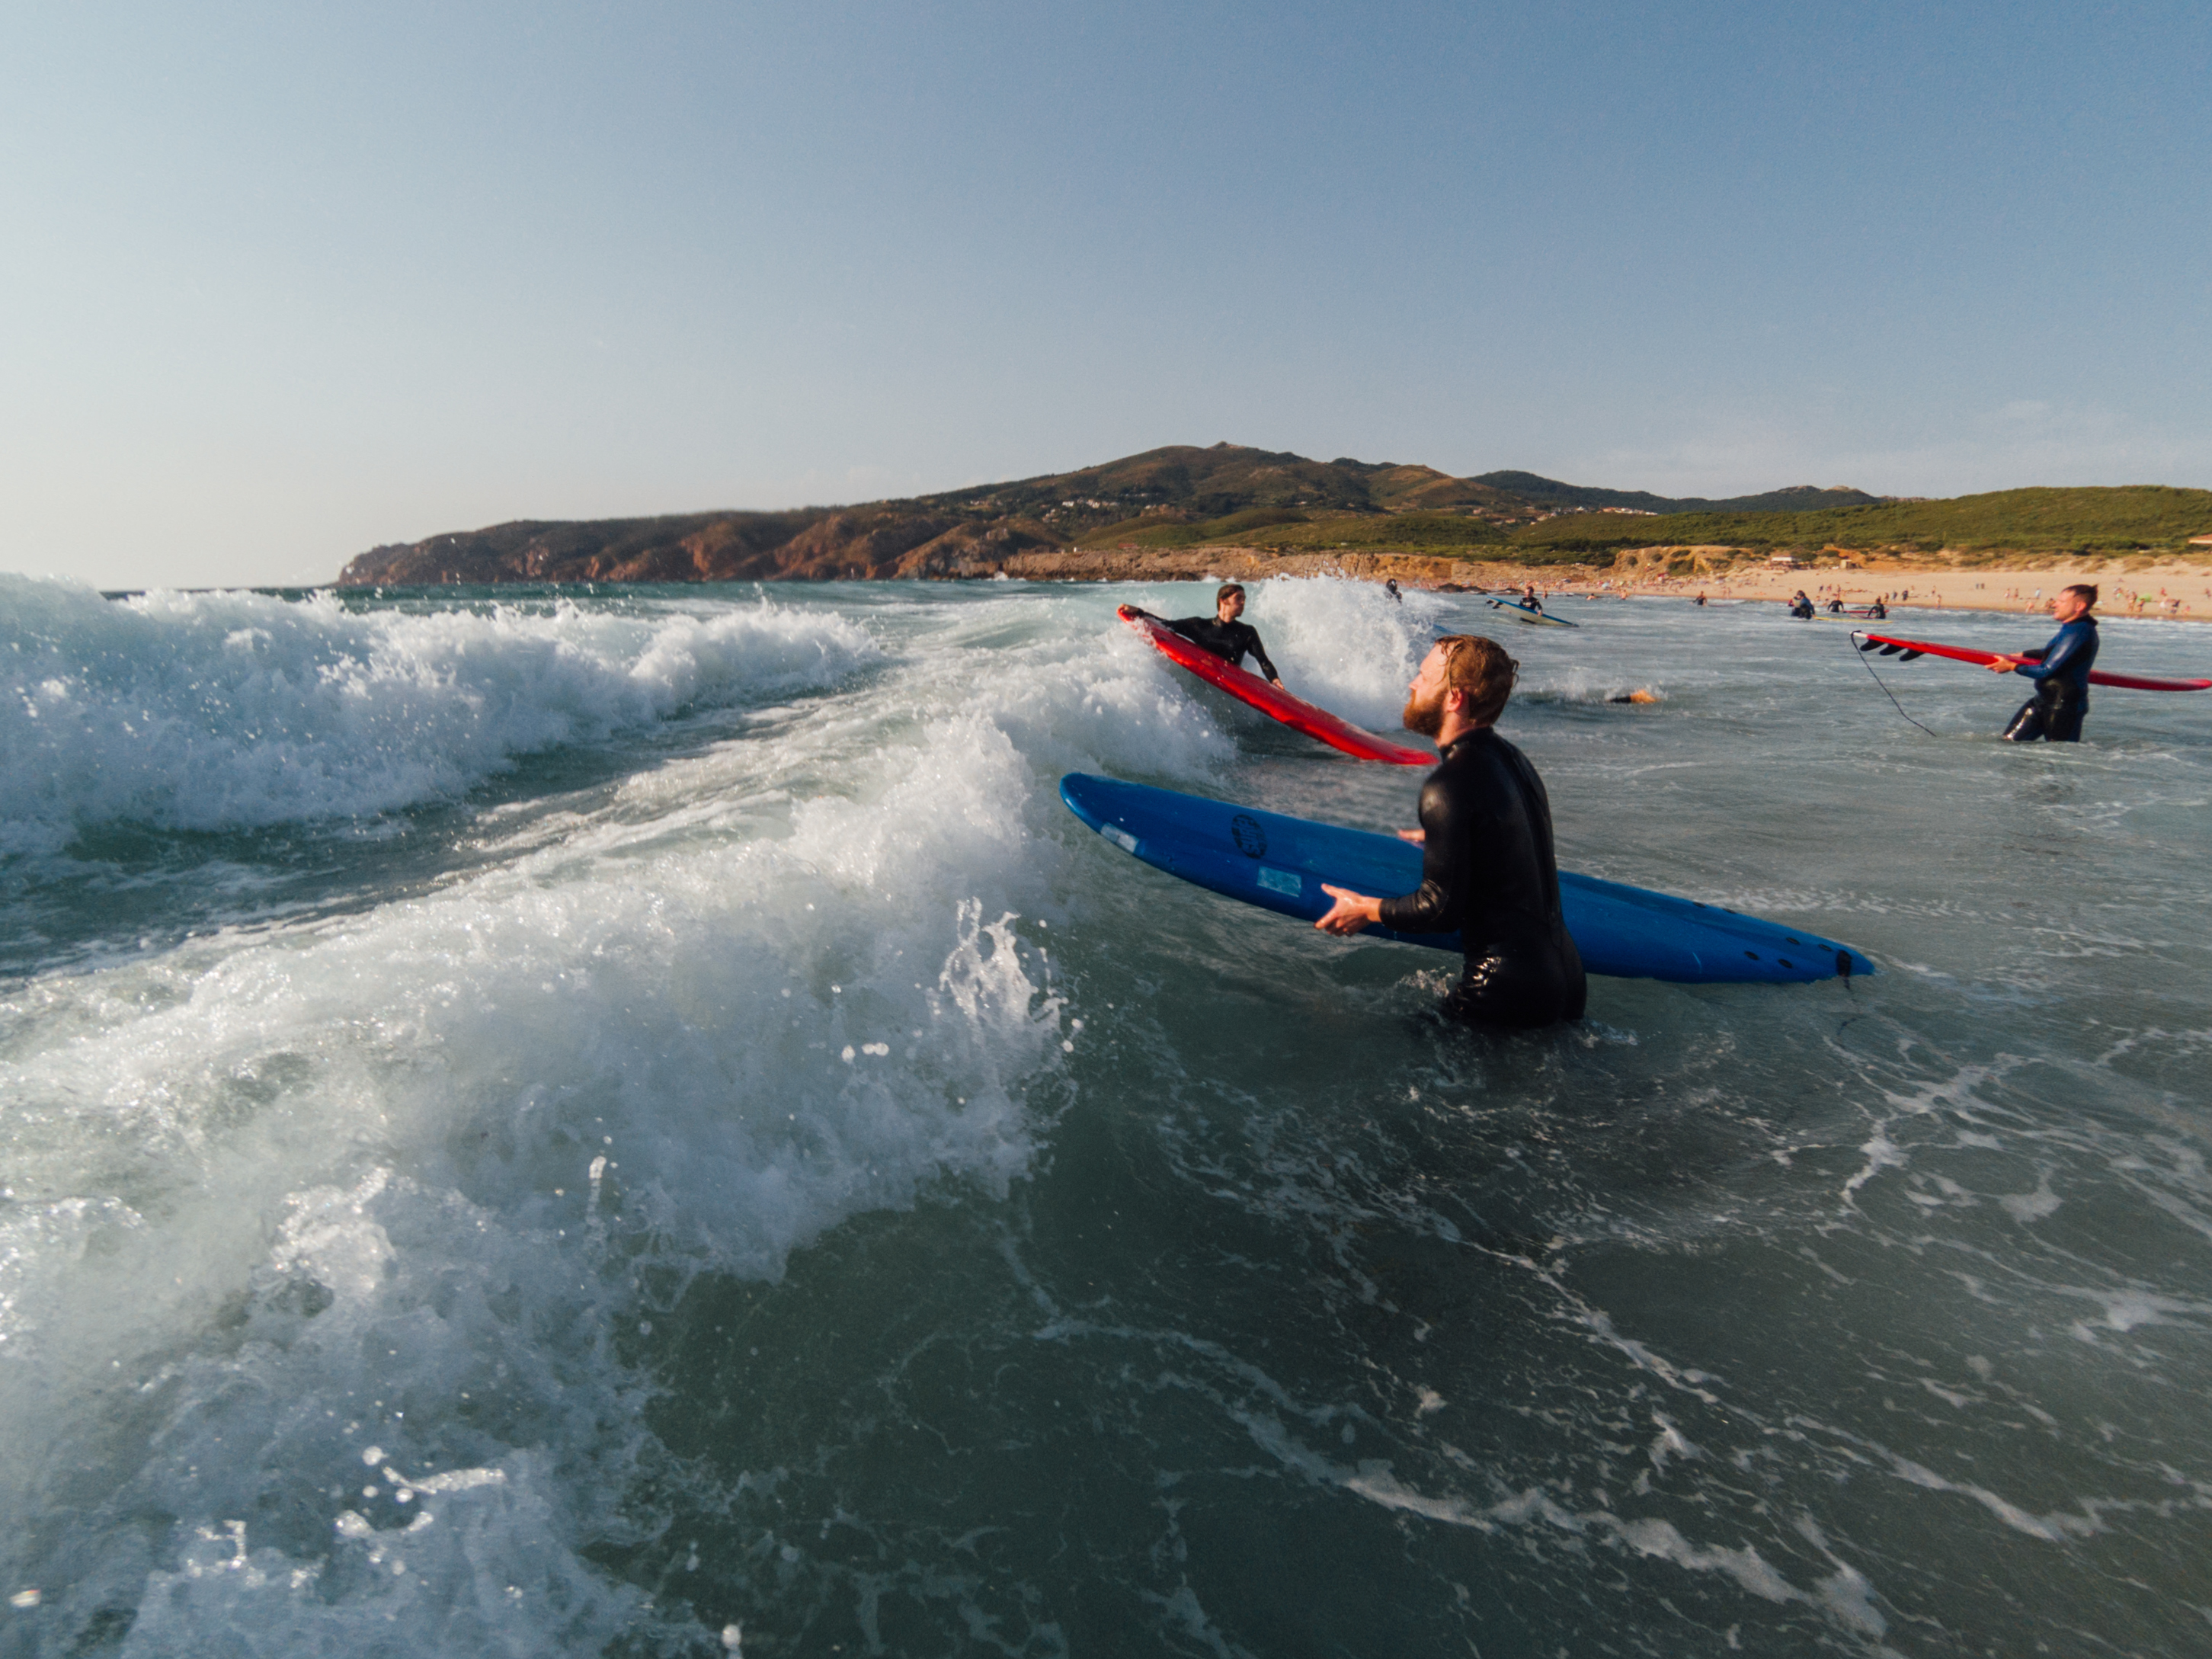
x=1128 y=516
x=1797 y=498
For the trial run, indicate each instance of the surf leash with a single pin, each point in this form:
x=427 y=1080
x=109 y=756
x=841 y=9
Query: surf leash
x=1860 y=650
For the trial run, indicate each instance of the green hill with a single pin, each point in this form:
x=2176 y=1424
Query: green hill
x=2133 y=519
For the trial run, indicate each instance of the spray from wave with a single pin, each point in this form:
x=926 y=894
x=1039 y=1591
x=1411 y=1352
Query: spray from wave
x=234 y=710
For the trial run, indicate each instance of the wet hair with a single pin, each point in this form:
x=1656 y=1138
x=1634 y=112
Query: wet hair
x=2087 y=589
x=1480 y=668
x=1224 y=591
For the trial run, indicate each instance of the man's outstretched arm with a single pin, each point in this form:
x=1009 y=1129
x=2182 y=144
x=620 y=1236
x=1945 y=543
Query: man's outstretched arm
x=1260 y=651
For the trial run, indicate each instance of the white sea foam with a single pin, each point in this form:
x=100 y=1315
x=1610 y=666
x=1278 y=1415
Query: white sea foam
x=213 y=711
x=281 y=1199
x=1345 y=645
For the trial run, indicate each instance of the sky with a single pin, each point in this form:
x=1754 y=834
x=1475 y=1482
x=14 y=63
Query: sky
x=280 y=282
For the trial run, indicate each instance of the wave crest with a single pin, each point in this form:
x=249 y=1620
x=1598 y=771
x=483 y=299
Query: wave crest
x=238 y=710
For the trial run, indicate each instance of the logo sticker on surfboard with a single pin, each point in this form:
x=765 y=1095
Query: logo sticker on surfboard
x=1251 y=840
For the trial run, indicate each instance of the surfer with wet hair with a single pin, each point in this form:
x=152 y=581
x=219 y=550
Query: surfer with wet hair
x=2061 y=673
x=1221 y=633
x=1487 y=866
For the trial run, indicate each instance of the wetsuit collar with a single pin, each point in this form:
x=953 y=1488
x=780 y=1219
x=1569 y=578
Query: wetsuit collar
x=1451 y=750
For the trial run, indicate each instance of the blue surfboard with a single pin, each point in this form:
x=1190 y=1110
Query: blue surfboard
x=1279 y=863
x=1522 y=613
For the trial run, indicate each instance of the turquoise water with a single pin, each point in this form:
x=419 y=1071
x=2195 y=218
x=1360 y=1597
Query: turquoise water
x=634 y=1122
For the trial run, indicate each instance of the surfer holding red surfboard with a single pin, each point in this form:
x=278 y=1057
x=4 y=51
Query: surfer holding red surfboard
x=2061 y=670
x=2054 y=714
x=1223 y=634
x=1177 y=644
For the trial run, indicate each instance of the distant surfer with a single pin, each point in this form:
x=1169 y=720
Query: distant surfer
x=1801 y=606
x=1530 y=601
x=1487 y=866
x=1390 y=587
x=1878 y=610
x=2062 y=676
x=1221 y=633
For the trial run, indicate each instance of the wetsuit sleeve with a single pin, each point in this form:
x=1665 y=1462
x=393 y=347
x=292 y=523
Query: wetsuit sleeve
x=1433 y=907
x=1260 y=651
x=2068 y=644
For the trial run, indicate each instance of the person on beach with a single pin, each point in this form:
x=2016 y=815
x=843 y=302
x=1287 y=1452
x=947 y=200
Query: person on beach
x=1221 y=633
x=1488 y=865
x=2062 y=675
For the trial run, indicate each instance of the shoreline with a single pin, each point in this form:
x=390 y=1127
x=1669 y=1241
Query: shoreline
x=2171 y=590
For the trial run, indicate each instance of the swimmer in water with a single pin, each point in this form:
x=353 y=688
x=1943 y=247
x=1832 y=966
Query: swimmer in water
x=1221 y=633
x=2062 y=676
x=1488 y=865
x=1390 y=587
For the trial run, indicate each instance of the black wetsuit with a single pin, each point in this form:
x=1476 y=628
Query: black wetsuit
x=1801 y=608
x=1487 y=870
x=1228 y=640
x=2061 y=686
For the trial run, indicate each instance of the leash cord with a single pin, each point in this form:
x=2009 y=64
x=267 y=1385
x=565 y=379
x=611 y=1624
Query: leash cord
x=1852 y=637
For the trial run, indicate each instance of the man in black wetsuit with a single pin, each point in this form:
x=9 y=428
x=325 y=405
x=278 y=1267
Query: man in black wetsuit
x=1221 y=633
x=2062 y=675
x=1487 y=861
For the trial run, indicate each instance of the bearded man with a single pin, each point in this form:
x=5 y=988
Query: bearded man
x=1486 y=862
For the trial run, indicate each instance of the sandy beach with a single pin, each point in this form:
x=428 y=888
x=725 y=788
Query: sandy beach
x=2169 y=588
x=2177 y=588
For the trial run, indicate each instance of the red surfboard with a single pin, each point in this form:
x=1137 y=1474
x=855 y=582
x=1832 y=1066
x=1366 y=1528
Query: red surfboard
x=1272 y=700
x=1962 y=653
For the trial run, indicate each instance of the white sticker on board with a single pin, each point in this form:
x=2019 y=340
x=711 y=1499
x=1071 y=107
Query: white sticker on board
x=1280 y=881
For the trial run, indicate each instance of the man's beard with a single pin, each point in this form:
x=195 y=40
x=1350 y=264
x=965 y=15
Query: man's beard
x=1425 y=720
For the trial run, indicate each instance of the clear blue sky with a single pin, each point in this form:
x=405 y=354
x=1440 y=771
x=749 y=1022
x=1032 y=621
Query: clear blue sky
x=281 y=282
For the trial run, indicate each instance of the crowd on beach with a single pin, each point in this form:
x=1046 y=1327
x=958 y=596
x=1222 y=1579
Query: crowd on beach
x=2185 y=595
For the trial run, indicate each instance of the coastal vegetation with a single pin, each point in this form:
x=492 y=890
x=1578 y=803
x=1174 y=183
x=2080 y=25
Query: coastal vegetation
x=2142 y=518
x=1157 y=512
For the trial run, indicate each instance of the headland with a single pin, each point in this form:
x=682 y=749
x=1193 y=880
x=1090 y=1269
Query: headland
x=1184 y=513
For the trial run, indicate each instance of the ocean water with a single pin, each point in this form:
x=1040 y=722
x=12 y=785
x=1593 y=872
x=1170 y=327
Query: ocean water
x=634 y=1122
